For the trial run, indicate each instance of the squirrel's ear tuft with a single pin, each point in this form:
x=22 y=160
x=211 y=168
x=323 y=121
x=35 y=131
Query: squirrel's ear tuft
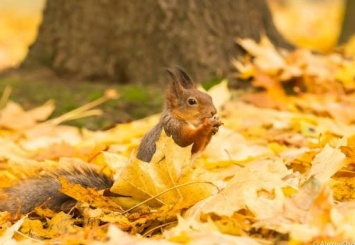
x=172 y=74
x=180 y=76
x=185 y=79
x=176 y=88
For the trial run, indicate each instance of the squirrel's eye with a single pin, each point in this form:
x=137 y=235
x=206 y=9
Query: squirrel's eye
x=191 y=101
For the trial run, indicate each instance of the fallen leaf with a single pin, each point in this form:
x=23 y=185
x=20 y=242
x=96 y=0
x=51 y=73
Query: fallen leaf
x=59 y=225
x=12 y=116
x=167 y=179
x=87 y=195
x=267 y=57
x=44 y=135
x=327 y=162
x=256 y=187
x=7 y=236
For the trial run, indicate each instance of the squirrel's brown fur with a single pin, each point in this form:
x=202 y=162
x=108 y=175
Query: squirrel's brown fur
x=44 y=190
x=189 y=118
x=188 y=123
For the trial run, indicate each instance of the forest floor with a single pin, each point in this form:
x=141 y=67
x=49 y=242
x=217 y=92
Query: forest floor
x=33 y=89
x=281 y=169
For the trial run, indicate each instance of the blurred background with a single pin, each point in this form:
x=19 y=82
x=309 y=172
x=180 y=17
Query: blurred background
x=19 y=23
x=311 y=24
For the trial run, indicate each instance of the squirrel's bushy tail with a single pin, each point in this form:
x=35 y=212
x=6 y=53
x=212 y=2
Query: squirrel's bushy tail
x=44 y=190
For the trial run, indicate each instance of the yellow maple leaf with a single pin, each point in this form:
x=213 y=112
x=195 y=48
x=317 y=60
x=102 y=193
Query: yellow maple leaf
x=256 y=187
x=167 y=179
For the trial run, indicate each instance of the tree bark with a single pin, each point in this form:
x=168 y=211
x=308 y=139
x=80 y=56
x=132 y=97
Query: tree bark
x=348 y=26
x=134 y=41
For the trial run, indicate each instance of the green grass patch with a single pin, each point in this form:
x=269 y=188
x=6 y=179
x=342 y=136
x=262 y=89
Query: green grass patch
x=210 y=83
x=134 y=102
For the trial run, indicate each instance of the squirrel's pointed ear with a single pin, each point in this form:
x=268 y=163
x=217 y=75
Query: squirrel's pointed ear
x=176 y=86
x=185 y=79
x=180 y=76
x=172 y=74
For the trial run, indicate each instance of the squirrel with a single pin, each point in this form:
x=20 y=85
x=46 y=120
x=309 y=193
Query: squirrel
x=189 y=118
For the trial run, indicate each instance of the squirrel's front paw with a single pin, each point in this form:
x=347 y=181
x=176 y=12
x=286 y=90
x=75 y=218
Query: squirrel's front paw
x=214 y=123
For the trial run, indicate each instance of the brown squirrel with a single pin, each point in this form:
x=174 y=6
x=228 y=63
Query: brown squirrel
x=189 y=118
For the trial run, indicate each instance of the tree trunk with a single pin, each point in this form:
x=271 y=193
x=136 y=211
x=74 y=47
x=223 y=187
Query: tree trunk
x=134 y=41
x=348 y=27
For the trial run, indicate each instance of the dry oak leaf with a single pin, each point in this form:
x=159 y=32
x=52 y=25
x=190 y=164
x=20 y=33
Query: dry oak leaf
x=167 y=179
x=14 y=117
x=257 y=187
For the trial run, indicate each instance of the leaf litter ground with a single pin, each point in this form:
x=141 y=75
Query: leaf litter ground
x=280 y=169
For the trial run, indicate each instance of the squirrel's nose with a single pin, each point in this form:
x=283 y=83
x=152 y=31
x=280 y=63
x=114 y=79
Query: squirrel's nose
x=213 y=112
